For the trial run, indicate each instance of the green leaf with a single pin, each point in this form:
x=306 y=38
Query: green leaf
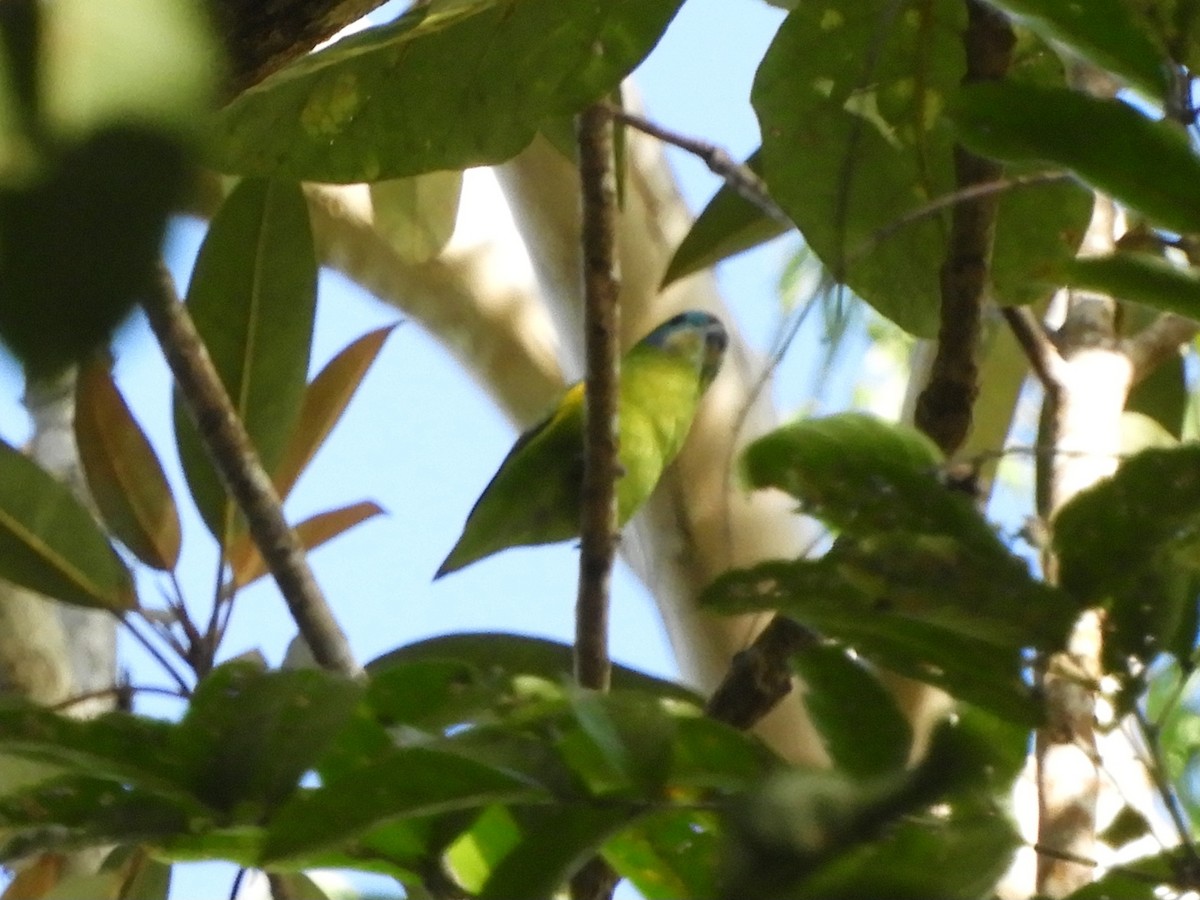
x=416 y=215
x=849 y=99
x=252 y=297
x=728 y=225
x=865 y=733
x=77 y=811
x=861 y=475
x=124 y=475
x=50 y=543
x=668 y=854
x=555 y=842
x=409 y=782
x=1148 y=166
x=516 y=654
x=1129 y=543
x=1104 y=32
x=249 y=735
x=374 y=106
x=324 y=402
x=1140 y=277
x=247 y=563
x=118 y=746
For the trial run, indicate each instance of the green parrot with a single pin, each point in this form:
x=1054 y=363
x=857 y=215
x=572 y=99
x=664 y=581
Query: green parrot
x=534 y=496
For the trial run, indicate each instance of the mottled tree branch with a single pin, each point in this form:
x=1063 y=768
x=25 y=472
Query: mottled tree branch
x=944 y=408
x=237 y=462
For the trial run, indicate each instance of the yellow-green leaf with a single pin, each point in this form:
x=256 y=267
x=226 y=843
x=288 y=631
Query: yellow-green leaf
x=123 y=473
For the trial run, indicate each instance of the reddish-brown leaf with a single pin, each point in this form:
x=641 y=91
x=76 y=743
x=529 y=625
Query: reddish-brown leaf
x=123 y=472
x=324 y=402
x=248 y=565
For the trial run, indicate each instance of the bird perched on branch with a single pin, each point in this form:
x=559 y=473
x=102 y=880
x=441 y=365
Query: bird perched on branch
x=534 y=497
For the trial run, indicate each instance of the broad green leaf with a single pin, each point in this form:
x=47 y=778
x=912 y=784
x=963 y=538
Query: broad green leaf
x=249 y=735
x=247 y=563
x=728 y=225
x=324 y=402
x=1147 y=165
x=134 y=876
x=252 y=297
x=850 y=100
x=1142 y=879
x=416 y=215
x=861 y=475
x=1129 y=543
x=78 y=811
x=410 y=782
x=668 y=854
x=50 y=543
x=941 y=645
x=1140 y=277
x=521 y=654
x=385 y=104
x=863 y=730
x=1104 y=32
x=124 y=475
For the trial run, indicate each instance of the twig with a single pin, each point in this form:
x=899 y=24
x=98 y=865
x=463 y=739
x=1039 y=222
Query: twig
x=598 y=521
x=955 y=197
x=148 y=646
x=1158 y=342
x=1044 y=358
x=598 y=526
x=1156 y=768
x=945 y=406
x=229 y=446
x=740 y=177
x=118 y=691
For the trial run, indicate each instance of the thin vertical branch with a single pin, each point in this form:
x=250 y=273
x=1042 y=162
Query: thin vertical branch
x=235 y=459
x=945 y=406
x=598 y=526
x=598 y=523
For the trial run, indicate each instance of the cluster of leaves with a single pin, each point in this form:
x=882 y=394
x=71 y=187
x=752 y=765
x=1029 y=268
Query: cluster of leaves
x=467 y=761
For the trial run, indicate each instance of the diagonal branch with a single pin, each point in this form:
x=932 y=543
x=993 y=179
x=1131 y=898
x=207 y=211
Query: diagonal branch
x=235 y=459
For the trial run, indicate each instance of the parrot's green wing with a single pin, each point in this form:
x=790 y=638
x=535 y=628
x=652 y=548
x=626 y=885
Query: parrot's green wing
x=534 y=496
